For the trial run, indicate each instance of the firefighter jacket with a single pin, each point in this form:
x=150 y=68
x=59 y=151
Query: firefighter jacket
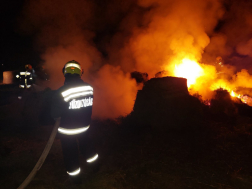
x=73 y=103
x=25 y=79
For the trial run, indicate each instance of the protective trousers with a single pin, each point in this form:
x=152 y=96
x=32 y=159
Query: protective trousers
x=71 y=145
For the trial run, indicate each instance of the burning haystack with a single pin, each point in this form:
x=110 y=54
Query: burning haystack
x=164 y=103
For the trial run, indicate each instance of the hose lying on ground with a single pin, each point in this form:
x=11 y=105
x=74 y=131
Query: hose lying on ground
x=42 y=157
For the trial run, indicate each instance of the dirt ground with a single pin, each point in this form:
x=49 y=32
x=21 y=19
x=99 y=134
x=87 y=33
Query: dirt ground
x=218 y=155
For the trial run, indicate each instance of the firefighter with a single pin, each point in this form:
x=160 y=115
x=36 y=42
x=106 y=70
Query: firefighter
x=73 y=103
x=25 y=79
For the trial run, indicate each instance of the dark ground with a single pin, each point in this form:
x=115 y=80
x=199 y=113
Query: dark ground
x=216 y=155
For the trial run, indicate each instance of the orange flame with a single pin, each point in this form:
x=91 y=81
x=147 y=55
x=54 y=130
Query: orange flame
x=202 y=78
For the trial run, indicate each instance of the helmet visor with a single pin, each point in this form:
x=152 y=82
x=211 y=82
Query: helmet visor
x=72 y=68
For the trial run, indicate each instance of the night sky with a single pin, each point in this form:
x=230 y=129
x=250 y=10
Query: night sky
x=16 y=48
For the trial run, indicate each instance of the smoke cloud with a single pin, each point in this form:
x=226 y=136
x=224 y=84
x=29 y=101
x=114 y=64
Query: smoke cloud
x=177 y=30
x=114 y=92
x=112 y=38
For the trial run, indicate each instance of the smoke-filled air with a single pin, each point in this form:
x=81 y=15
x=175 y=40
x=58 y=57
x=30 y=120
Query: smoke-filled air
x=208 y=42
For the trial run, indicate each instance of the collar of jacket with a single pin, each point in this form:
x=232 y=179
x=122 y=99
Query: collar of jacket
x=72 y=79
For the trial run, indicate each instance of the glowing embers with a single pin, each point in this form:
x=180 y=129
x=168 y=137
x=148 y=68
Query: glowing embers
x=73 y=65
x=76 y=172
x=92 y=159
x=77 y=104
x=72 y=131
x=77 y=92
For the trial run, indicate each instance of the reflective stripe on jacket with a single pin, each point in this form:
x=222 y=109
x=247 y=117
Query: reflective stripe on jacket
x=73 y=103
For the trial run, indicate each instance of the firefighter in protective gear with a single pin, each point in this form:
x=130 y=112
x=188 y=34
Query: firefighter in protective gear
x=25 y=79
x=73 y=103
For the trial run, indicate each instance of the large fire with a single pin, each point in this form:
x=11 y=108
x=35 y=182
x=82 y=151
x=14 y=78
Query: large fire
x=202 y=78
x=148 y=36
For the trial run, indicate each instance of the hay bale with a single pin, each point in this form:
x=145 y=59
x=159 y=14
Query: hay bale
x=164 y=103
x=8 y=77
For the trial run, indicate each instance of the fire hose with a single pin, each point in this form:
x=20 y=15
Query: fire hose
x=42 y=157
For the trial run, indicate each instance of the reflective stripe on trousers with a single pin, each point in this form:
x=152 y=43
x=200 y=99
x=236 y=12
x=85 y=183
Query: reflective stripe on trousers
x=92 y=159
x=73 y=131
x=73 y=173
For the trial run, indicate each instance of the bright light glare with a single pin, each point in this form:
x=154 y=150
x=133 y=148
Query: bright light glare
x=232 y=94
x=190 y=70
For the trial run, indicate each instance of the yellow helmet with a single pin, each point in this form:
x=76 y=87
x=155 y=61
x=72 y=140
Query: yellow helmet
x=72 y=67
